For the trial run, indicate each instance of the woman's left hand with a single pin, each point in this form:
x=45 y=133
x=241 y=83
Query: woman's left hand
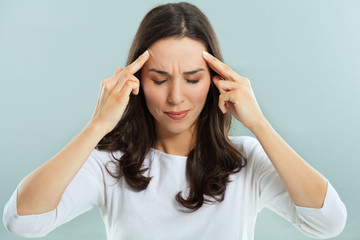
x=236 y=93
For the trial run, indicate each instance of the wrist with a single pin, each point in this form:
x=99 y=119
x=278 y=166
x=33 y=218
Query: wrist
x=96 y=128
x=259 y=126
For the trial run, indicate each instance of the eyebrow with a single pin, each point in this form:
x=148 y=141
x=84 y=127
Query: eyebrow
x=184 y=73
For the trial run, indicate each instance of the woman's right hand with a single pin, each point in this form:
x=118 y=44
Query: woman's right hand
x=115 y=94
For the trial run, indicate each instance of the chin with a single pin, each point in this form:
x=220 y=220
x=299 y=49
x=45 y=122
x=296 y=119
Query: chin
x=177 y=129
x=174 y=128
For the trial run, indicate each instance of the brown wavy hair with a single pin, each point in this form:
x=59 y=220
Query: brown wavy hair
x=214 y=157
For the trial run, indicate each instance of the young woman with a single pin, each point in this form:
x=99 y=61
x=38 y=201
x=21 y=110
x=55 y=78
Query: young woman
x=157 y=160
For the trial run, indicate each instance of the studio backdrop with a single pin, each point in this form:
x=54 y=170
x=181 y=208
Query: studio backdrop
x=302 y=59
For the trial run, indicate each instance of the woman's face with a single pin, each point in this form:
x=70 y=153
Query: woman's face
x=175 y=81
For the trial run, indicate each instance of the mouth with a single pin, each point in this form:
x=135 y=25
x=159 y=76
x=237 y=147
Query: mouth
x=177 y=115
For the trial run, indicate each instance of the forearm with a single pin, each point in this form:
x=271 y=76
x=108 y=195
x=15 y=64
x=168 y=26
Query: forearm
x=306 y=186
x=41 y=190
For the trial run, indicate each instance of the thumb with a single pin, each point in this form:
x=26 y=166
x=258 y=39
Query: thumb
x=216 y=80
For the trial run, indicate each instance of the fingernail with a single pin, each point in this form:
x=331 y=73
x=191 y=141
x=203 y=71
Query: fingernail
x=146 y=53
x=205 y=53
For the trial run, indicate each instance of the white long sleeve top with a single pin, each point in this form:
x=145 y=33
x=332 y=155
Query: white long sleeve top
x=154 y=213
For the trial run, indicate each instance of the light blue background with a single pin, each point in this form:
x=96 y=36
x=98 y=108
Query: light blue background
x=302 y=58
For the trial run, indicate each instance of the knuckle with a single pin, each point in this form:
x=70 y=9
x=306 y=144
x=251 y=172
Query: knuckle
x=104 y=81
x=128 y=84
x=219 y=104
x=130 y=67
x=126 y=69
x=246 y=81
x=119 y=98
x=226 y=68
x=238 y=92
x=107 y=87
x=127 y=74
x=237 y=78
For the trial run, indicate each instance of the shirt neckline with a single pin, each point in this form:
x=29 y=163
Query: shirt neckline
x=167 y=155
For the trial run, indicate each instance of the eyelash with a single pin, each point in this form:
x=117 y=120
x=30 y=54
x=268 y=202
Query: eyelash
x=189 y=81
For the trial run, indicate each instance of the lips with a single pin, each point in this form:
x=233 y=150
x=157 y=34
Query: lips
x=177 y=115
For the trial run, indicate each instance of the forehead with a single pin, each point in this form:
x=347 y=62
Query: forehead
x=171 y=53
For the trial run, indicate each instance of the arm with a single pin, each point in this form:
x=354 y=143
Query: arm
x=41 y=190
x=270 y=191
x=86 y=190
x=318 y=209
x=306 y=186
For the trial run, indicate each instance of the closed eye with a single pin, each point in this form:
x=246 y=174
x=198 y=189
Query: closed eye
x=188 y=80
x=192 y=81
x=159 y=82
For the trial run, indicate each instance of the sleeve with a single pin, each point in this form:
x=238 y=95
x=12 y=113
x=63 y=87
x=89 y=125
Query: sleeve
x=325 y=222
x=84 y=192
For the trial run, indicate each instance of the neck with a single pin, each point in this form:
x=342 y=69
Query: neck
x=177 y=144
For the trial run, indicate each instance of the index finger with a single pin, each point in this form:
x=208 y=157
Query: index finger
x=138 y=63
x=219 y=67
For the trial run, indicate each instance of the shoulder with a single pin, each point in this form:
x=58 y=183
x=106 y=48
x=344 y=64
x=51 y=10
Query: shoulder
x=103 y=156
x=99 y=160
x=246 y=144
x=256 y=157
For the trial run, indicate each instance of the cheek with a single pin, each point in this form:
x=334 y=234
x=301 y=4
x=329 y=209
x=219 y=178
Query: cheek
x=200 y=94
x=151 y=94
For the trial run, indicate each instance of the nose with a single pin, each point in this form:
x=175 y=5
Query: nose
x=175 y=94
